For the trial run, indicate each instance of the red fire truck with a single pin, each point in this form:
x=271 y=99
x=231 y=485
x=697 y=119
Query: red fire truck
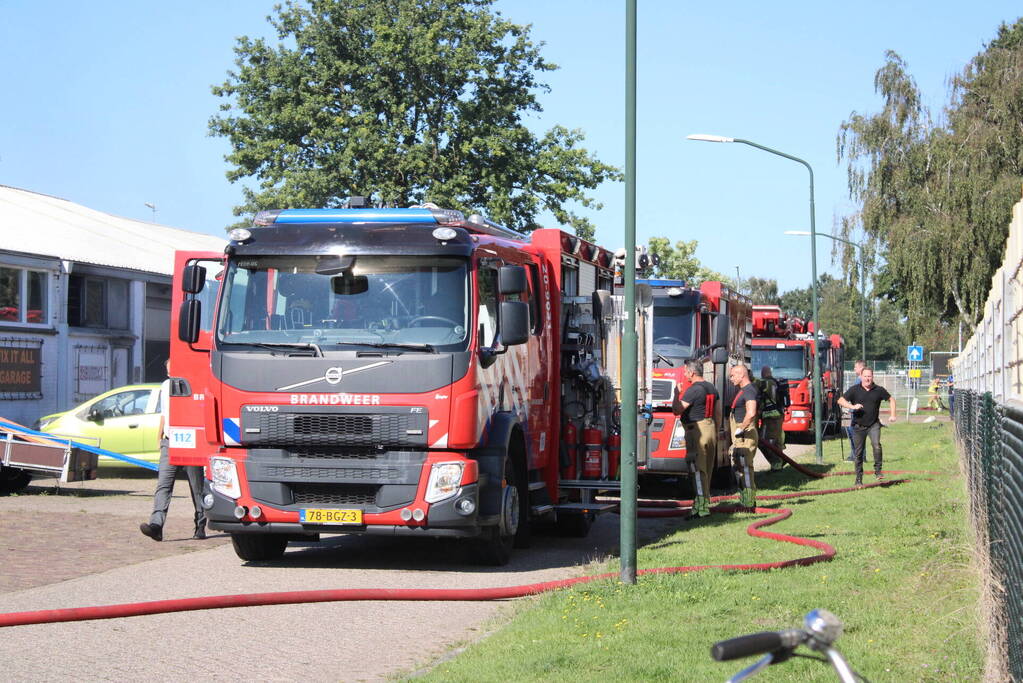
x=788 y=346
x=404 y=372
x=712 y=324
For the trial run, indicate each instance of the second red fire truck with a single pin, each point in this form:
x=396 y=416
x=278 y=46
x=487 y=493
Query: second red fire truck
x=712 y=324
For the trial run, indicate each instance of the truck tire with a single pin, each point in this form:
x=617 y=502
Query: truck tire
x=259 y=547
x=13 y=480
x=494 y=546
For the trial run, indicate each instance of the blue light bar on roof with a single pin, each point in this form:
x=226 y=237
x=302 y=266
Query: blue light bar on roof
x=662 y=283
x=355 y=216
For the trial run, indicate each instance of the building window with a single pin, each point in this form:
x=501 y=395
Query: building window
x=22 y=296
x=97 y=302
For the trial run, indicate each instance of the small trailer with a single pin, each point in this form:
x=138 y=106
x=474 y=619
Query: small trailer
x=24 y=454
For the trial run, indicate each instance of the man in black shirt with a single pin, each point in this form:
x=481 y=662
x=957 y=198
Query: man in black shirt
x=743 y=428
x=864 y=399
x=696 y=406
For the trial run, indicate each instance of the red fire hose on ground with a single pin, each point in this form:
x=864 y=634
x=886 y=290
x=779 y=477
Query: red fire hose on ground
x=650 y=509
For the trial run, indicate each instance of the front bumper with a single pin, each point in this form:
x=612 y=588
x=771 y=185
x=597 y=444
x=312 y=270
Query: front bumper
x=382 y=488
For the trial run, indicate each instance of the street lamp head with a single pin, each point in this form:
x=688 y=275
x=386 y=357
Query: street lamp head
x=797 y=232
x=709 y=138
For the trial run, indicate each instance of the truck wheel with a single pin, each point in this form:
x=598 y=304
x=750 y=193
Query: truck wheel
x=524 y=533
x=13 y=480
x=494 y=546
x=256 y=547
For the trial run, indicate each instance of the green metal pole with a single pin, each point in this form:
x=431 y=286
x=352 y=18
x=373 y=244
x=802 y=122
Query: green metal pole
x=863 y=306
x=630 y=476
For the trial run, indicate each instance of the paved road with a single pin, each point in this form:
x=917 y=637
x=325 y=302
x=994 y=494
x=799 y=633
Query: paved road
x=81 y=546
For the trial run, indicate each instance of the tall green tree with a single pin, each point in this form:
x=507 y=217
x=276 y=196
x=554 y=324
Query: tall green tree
x=406 y=101
x=680 y=262
x=762 y=290
x=935 y=198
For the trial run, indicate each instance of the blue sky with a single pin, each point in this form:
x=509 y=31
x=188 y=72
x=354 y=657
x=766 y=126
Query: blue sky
x=106 y=104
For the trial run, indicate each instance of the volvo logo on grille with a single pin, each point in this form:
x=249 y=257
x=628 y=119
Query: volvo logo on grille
x=262 y=409
x=333 y=375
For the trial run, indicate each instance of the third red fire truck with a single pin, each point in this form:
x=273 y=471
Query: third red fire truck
x=789 y=347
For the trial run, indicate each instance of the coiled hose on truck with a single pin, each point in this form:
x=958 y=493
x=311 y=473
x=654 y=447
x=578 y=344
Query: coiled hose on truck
x=647 y=509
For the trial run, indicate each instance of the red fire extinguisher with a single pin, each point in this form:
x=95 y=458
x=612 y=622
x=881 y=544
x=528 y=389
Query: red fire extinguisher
x=614 y=454
x=593 y=441
x=571 y=443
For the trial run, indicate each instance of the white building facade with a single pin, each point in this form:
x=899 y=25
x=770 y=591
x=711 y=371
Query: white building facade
x=84 y=301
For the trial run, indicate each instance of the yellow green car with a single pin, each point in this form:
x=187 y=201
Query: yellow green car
x=123 y=420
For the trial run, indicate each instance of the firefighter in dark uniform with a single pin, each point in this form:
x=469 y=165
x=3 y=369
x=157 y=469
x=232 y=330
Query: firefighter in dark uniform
x=696 y=406
x=742 y=427
x=771 y=416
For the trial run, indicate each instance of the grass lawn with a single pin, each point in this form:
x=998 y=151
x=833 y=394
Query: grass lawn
x=903 y=582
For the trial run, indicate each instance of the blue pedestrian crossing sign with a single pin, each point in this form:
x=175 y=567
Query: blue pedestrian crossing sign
x=915 y=354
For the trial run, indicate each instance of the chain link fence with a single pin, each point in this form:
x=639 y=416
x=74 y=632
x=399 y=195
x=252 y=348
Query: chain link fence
x=990 y=439
x=988 y=415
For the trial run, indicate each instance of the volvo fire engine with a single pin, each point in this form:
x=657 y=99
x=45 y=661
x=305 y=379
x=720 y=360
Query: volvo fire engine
x=789 y=347
x=711 y=324
x=404 y=372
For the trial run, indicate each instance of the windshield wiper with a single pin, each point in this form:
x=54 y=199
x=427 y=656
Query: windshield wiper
x=395 y=345
x=273 y=346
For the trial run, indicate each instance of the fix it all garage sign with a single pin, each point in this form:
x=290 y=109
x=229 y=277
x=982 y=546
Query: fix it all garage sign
x=20 y=369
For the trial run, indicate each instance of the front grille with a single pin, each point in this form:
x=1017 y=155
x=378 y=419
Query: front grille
x=348 y=454
x=318 y=430
x=375 y=474
x=334 y=494
x=351 y=425
x=662 y=390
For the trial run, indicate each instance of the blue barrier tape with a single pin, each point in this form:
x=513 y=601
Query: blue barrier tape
x=18 y=429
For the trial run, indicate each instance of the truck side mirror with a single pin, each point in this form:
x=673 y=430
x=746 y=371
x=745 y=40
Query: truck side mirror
x=189 y=317
x=511 y=279
x=193 y=279
x=514 y=322
x=719 y=356
x=720 y=331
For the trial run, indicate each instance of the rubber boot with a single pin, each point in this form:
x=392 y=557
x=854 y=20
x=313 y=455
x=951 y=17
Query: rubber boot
x=701 y=507
x=748 y=498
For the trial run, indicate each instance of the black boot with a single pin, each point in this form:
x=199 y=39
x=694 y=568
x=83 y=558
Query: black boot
x=152 y=530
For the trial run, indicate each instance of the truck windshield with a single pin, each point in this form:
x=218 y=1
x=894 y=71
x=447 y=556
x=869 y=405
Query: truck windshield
x=784 y=363
x=673 y=331
x=385 y=302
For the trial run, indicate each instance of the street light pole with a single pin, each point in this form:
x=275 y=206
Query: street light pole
x=863 y=285
x=817 y=385
x=630 y=340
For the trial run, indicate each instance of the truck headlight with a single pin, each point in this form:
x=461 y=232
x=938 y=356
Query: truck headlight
x=798 y=413
x=445 y=479
x=225 y=477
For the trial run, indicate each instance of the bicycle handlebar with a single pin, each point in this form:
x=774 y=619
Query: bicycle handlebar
x=756 y=644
